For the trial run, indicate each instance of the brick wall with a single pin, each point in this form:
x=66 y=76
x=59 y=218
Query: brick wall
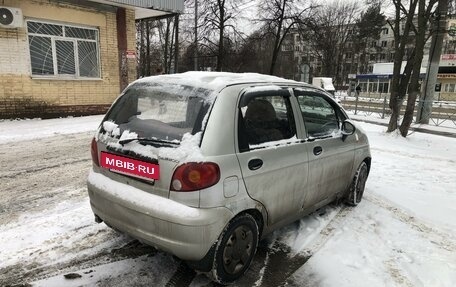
x=21 y=95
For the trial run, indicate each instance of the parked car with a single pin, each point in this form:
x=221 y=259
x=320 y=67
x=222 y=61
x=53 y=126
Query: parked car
x=203 y=165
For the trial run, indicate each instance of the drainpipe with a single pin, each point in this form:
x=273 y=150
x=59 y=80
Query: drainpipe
x=121 y=20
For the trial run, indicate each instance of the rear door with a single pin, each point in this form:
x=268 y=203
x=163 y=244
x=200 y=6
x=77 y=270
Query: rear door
x=330 y=155
x=273 y=161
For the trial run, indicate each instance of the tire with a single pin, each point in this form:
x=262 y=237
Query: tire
x=356 y=191
x=235 y=249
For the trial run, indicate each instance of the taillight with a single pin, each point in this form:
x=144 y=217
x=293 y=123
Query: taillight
x=194 y=176
x=94 y=151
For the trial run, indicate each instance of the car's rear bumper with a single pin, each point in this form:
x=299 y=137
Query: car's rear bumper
x=184 y=231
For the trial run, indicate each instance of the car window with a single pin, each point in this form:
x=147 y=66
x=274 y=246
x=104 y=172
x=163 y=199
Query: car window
x=161 y=111
x=265 y=117
x=321 y=119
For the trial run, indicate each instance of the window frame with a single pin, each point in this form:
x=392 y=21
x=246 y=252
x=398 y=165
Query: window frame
x=54 y=38
x=285 y=93
x=340 y=114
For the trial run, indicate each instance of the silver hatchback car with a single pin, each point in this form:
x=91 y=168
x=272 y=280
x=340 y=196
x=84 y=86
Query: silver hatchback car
x=203 y=165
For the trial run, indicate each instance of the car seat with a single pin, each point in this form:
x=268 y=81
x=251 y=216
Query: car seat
x=261 y=122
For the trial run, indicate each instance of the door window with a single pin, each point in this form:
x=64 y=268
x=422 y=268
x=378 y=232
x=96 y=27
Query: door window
x=321 y=119
x=265 y=117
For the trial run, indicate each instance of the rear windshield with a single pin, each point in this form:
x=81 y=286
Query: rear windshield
x=160 y=111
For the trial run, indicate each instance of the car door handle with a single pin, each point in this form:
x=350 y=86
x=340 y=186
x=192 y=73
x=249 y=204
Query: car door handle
x=317 y=150
x=255 y=164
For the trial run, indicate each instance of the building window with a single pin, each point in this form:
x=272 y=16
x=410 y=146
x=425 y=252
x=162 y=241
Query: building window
x=60 y=50
x=382 y=57
x=384 y=43
x=385 y=31
x=449 y=88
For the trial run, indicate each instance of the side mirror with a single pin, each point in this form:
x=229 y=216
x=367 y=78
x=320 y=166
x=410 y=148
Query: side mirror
x=347 y=129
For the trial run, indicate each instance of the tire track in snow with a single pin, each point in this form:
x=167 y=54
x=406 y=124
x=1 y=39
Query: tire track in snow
x=41 y=168
x=182 y=277
x=50 y=170
x=396 y=274
x=282 y=262
x=411 y=155
x=22 y=274
x=440 y=239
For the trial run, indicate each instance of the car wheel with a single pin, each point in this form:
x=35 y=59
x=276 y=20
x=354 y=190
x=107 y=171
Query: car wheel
x=355 y=193
x=235 y=249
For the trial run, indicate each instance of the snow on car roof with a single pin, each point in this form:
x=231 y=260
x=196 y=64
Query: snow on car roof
x=213 y=80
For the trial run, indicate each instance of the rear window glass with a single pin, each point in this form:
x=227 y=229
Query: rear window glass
x=160 y=111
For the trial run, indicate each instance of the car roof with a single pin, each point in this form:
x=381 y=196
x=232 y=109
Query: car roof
x=217 y=80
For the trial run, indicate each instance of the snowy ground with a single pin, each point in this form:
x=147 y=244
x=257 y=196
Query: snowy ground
x=402 y=234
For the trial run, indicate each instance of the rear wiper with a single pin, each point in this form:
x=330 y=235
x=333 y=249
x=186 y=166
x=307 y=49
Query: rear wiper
x=149 y=140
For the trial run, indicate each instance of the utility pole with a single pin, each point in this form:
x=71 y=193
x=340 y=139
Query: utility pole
x=439 y=29
x=195 y=67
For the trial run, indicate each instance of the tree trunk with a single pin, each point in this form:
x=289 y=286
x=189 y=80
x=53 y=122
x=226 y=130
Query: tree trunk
x=395 y=106
x=400 y=81
x=408 y=115
x=147 y=60
x=221 y=48
x=165 y=49
x=417 y=59
x=275 y=51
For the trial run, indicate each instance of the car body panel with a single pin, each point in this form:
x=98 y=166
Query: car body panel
x=184 y=231
x=291 y=182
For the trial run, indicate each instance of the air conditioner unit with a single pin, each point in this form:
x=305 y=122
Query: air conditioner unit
x=11 y=17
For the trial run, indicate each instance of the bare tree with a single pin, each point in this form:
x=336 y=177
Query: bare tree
x=279 y=17
x=218 y=27
x=411 y=31
x=156 y=45
x=332 y=33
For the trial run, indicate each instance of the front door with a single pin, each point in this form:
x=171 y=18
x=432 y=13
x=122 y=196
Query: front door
x=330 y=154
x=274 y=162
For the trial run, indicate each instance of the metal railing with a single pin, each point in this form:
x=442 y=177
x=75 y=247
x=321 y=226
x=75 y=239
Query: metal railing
x=443 y=112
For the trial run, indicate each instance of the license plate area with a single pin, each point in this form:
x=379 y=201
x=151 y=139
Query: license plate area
x=129 y=166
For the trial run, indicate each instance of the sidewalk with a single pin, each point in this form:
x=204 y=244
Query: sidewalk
x=448 y=130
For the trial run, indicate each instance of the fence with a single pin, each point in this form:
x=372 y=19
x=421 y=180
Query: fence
x=443 y=112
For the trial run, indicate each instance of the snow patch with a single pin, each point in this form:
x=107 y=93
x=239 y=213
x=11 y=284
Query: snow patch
x=188 y=150
x=212 y=80
x=109 y=126
x=263 y=89
x=275 y=144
